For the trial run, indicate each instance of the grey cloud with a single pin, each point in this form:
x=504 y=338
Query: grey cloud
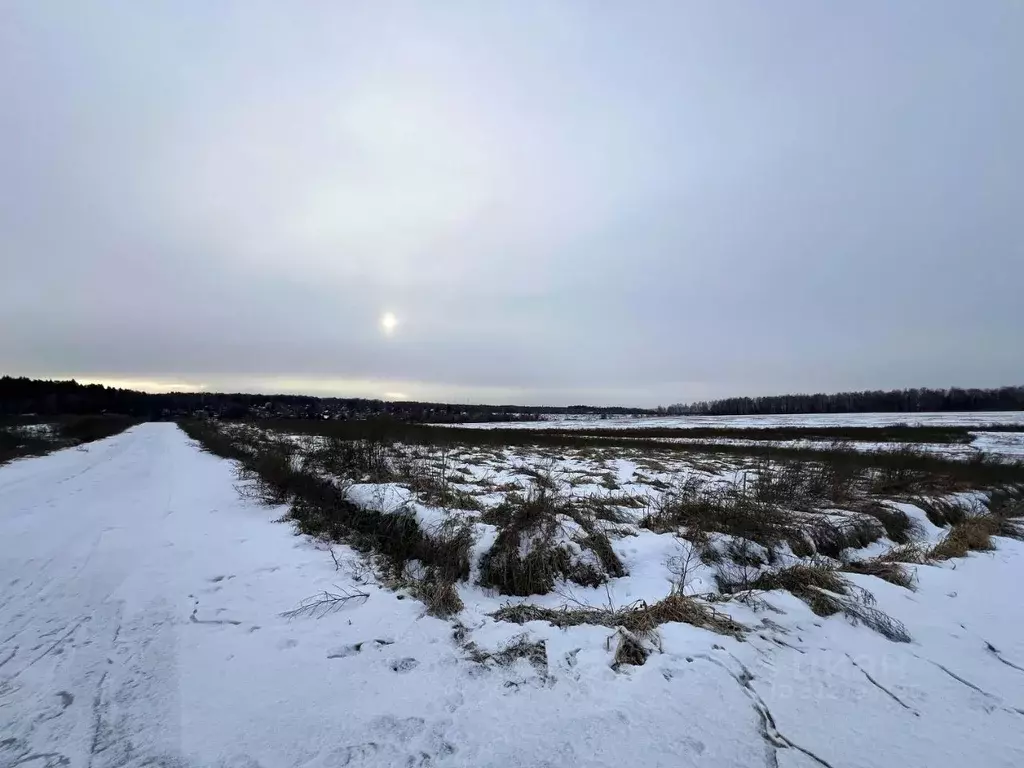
x=561 y=202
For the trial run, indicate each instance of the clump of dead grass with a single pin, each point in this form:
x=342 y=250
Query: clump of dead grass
x=973 y=534
x=534 y=549
x=534 y=652
x=887 y=570
x=914 y=552
x=629 y=651
x=702 y=506
x=832 y=536
x=943 y=512
x=440 y=597
x=899 y=526
x=827 y=593
x=810 y=583
x=639 y=618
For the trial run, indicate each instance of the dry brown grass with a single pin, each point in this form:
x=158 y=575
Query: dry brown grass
x=533 y=548
x=440 y=597
x=832 y=537
x=899 y=526
x=915 y=553
x=887 y=570
x=640 y=618
x=807 y=582
x=630 y=651
x=974 y=534
x=827 y=593
x=519 y=647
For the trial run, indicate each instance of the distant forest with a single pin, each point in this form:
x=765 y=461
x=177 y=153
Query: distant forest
x=892 y=401
x=21 y=396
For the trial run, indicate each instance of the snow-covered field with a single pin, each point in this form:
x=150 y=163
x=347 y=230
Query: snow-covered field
x=142 y=622
x=949 y=419
x=1008 y=446
x=1005 y=445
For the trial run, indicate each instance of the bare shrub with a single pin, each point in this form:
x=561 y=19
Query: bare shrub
x=683 y=564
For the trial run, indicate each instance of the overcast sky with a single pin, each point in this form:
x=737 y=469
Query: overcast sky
x=558 y=202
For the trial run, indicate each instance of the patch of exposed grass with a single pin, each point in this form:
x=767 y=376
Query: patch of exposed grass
x=598 y=543
x=826 y=593
x=899 y=526
x=531 y=551
x=808 y=582
x=915 y=553
x=521 y=647
x=831 y=537
x=629 y=651
x=943 y=512
x=973 y=534
x=320 y=507
x=701 y=507
x=897 y=433
x=440 y=597
x=19 y=440
x=640 y=618
x=888 y=570
x=1007 y=502
x=86 y=429
x=904 y=471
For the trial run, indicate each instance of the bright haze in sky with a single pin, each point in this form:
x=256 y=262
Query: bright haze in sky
x=521 y=201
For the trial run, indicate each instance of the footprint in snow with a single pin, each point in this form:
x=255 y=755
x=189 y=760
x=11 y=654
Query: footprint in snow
x=404 y=665
x=345 y=651
x=404 y=729
x=352 y=755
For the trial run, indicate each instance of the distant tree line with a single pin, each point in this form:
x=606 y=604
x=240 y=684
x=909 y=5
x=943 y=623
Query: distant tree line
x=20 y=396
x=876 y=401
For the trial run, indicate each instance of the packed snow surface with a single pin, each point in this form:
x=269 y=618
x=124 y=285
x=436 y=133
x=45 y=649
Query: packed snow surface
x=141 y=623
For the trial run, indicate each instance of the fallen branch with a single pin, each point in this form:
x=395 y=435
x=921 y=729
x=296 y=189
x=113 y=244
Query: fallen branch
x=324 y=603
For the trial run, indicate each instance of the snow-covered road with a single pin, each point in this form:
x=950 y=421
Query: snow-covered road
x=140 y=624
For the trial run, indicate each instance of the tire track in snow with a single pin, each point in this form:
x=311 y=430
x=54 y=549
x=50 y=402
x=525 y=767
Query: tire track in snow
x=60 y=640
x=882 y=688
x=775 y=739
x=995 y=652
x=1000 y=703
